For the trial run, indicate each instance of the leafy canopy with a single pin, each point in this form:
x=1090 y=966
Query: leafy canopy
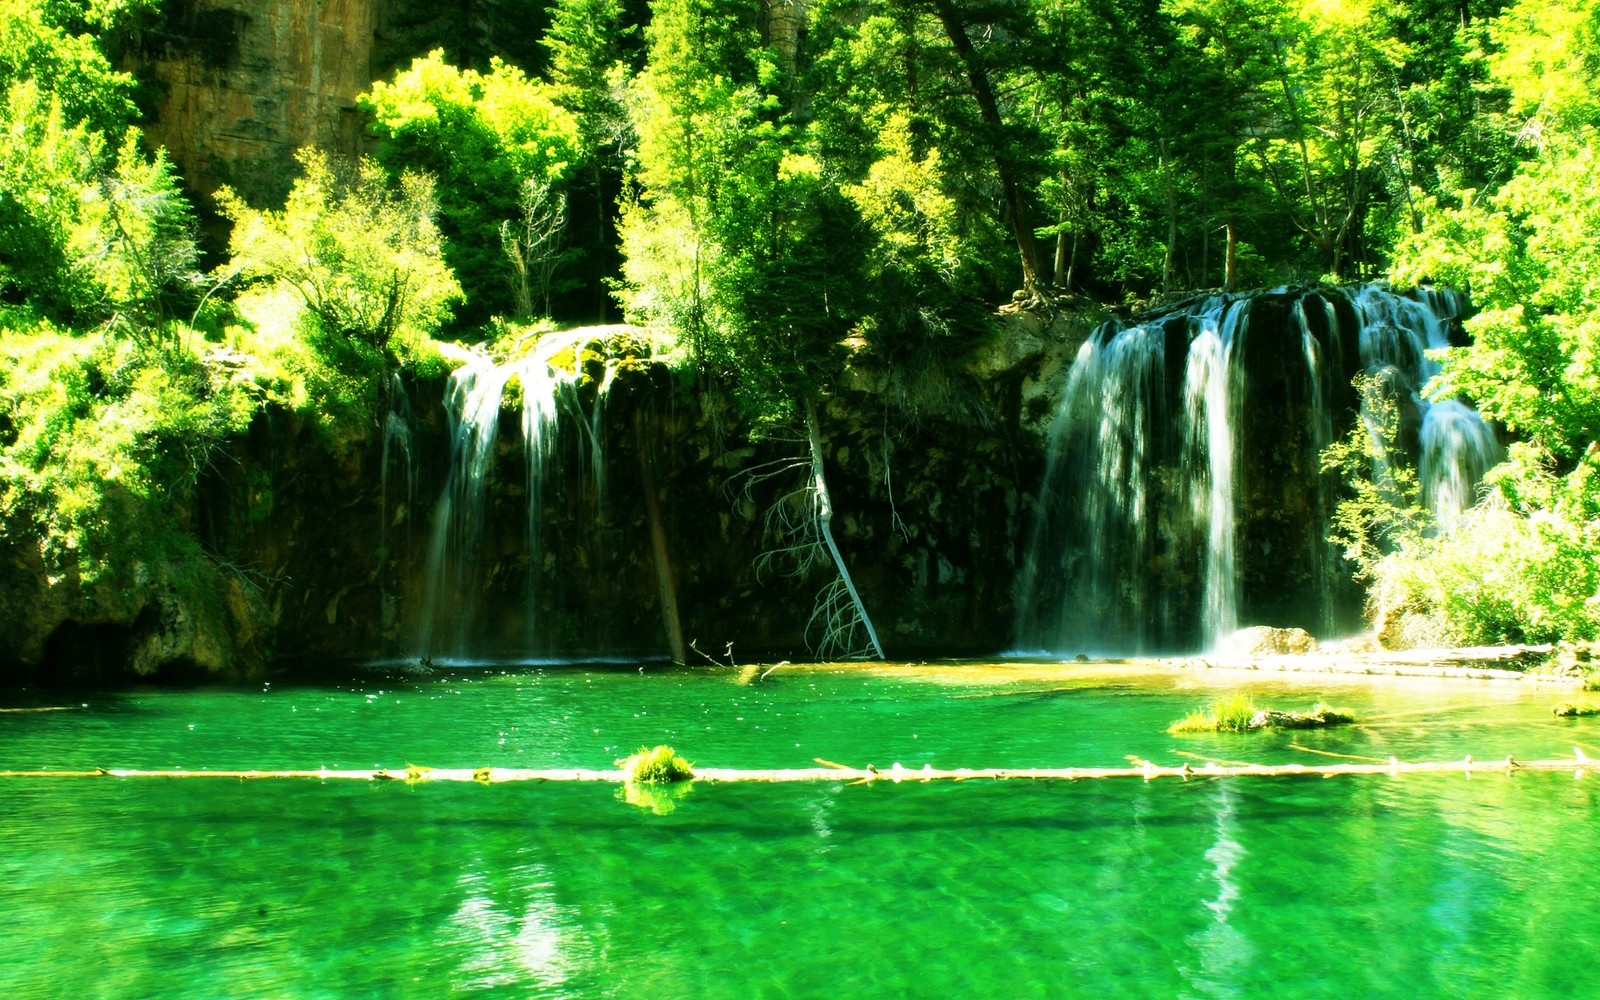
x=484 y=138
x=365 y=258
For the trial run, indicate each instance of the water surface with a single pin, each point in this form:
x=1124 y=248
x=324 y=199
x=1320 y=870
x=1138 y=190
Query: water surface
x=1410 y=886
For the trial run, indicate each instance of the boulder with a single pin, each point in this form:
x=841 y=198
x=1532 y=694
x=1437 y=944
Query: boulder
x=1264 y=640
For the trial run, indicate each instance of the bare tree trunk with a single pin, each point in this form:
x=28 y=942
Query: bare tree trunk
x=1033 y=274
x=665 y=587
x=1230 y=268
x=1169 y=264
x=825 y=524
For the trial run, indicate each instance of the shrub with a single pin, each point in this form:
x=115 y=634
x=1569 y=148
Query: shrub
x=660 y=765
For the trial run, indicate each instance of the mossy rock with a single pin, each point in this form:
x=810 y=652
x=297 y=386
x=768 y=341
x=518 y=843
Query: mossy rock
x=1239 y=714
x=1574 y=709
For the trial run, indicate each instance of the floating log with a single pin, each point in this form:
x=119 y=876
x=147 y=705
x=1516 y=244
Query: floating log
x=1145 y=770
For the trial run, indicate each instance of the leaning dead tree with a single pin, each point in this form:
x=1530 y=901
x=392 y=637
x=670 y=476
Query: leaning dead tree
x=800 y=523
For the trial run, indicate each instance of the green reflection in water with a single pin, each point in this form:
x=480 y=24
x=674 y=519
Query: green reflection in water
x=1415 y=886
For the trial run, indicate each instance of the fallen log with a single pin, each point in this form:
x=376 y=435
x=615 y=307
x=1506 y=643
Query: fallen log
x=1145 y=770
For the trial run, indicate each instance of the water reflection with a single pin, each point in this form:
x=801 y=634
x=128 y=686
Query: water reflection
x=1225 y=954
x=1371 y=887
x=540 y=948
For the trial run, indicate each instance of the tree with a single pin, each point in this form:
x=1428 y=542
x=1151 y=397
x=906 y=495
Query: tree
x=483 y=137
x=589 y=66
x=86 y=234
x=1007 y=158
x=533 y=245
x=365 y=258
x=68 y=66
x=729 y=245
x=1529 y=254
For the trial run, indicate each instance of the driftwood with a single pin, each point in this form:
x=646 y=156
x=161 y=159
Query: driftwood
x=1146 y=770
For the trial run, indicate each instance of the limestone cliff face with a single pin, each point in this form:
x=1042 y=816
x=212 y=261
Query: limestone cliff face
x=245 y=83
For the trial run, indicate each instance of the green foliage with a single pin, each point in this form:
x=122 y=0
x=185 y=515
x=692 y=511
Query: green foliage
x=587 y=66
x=1499 y=577
x=70 y=67
x=1525 y=567
x=1384 y=508
x=364 y=258
x=89 y=234
x=484 y=137
x=658 y=765
x=730 y=243
x=1230 y=713
x=103 y=442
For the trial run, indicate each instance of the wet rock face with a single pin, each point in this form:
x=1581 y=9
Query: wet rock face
x=182 y=620
x=317 y=548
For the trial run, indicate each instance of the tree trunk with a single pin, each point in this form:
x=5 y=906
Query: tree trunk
x=1230 y=267
x=1033 y=273
x=665 y=587
x=825 y=524
x=1169 y=263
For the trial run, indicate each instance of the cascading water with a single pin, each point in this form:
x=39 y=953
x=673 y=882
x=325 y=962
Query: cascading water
x=1112 y=520
x=1210 y=399
x=1183 y=491
x=1456 y=446
x=396 y=451
x=457 y=573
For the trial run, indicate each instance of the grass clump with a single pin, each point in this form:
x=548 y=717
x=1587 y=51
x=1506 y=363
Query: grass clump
x=1238 y=713
x=658 y=766
x=1231 y=713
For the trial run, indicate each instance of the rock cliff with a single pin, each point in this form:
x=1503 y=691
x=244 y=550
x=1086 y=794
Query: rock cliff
x=244 y=83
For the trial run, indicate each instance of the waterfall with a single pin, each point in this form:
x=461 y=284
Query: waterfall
x=1210 y=399
x=1097 y=478
x=460 y=567
x=1456 y=446
x=1183 y=492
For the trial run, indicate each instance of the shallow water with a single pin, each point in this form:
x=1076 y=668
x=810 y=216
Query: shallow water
x=1412 y=886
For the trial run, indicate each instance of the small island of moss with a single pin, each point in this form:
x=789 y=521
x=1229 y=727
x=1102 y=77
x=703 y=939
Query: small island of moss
x=1238 y=713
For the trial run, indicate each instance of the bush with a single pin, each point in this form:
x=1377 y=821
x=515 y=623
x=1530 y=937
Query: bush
x=104 y=442
x=365 y=259
x=1500 y=577
x=660 y=765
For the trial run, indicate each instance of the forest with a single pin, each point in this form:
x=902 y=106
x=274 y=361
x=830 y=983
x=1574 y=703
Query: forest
x=759 y=182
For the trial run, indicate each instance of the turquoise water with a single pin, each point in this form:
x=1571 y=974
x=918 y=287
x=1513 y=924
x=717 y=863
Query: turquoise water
x=1413 y=886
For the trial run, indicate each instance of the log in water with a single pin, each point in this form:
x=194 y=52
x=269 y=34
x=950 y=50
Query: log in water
x=835 y=772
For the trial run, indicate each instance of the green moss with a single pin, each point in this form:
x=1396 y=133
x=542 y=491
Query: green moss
x=1574 y=709
x=1238 y=713
x=660 y=765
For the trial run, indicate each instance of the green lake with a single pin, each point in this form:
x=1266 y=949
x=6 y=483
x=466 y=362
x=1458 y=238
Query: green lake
x=1374 y=886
